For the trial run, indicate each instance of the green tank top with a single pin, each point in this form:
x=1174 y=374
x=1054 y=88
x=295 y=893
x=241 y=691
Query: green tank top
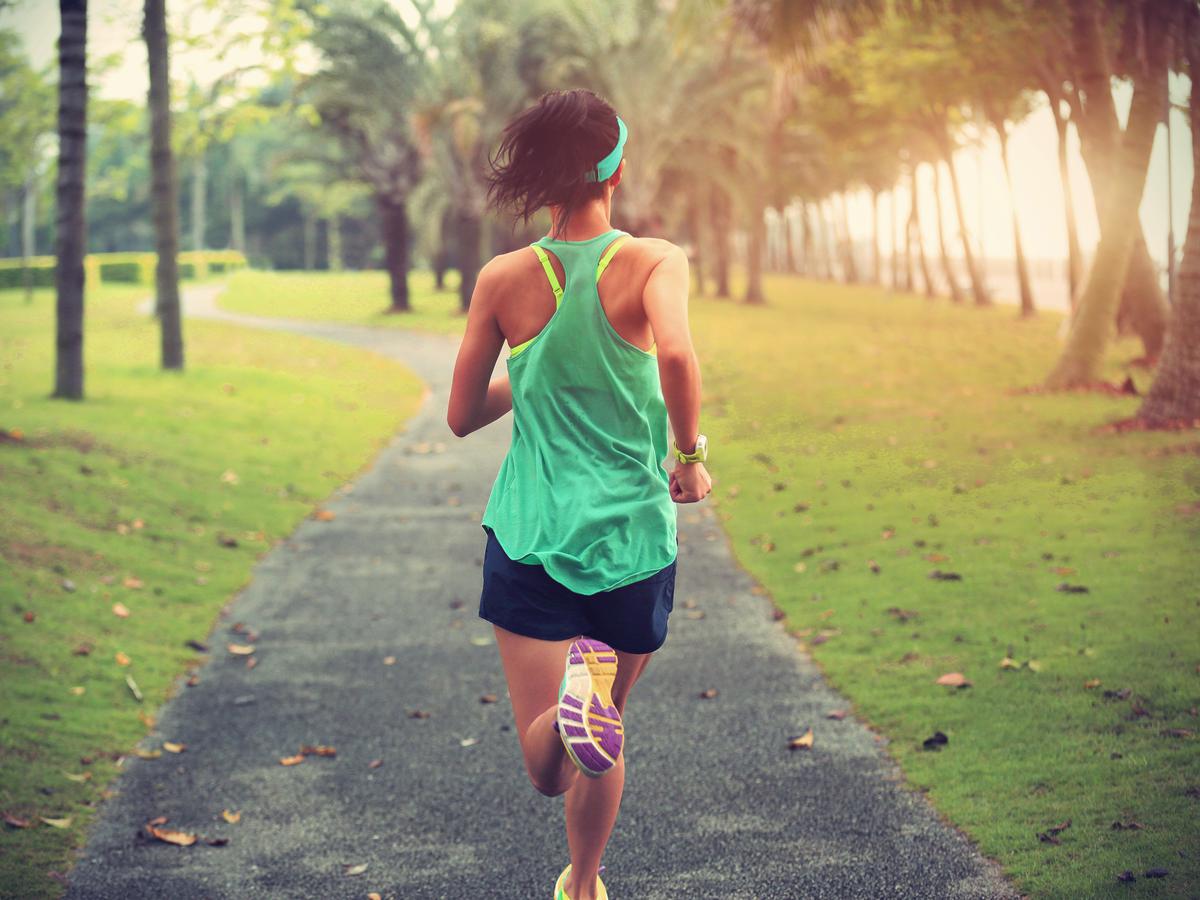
x=582 y=490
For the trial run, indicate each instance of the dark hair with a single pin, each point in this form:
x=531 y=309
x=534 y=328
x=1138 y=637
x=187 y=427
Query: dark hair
x=547 y=151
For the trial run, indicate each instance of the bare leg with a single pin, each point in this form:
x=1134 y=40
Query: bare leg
x=591 y=804
x=534 y=670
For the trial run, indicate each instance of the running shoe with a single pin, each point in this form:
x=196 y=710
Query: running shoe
x=561 y=894
x=588 y=722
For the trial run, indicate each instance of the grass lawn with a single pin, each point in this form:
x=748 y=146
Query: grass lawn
x=358 y=297
x=862 y=441
x=153 y=497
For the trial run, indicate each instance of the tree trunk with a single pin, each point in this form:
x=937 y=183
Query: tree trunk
x=1143 y=310
x=1027 y=307
x=977 y=288
x=28 y=231
x=843 y=221
x=237 y=215
x=72 y=224
x=895 y=240
x=199 y=191
x=441 y=262
x=807 y=260
x=956 y=295
x=1175 y=393
x=876 y=263
x=721 y=223
x=1080 y=362
x=789 y=252
x=162 y=164
x=308 y=232
x=696 y=235
x=1142 y=307
x=830 y=241
x=470 y=236
x=1074 y=254
x=333 y=251
x=908 y=268
x=393 y=224
x=754 y=252
x=914 y=224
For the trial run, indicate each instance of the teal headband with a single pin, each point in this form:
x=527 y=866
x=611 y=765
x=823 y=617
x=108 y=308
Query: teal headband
x=605 y=168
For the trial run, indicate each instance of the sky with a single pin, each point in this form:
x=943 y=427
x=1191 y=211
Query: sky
x=114 y=29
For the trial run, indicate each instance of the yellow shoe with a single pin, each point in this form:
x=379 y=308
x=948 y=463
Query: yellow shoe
x=561 y=894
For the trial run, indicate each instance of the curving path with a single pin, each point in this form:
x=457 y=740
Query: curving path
x=715 y=804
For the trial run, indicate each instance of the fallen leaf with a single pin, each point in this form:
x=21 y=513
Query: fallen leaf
x=936 y=741
x=81 y=776
x=229 y=476
x=122 y=658
x=1009 y=663
x=954 y=679
x=16 y=822
x=182 y=838
x=147 y=754
x=836 y=714
x=801 y=742
x=389 y=660
x=317 y=750
x=78 y=689
x=1126 y=826
x=468 y=742
x=174 y=747
x=488 y=698
x=133 y=583
x=693 y=614
x=241 y=649
x=326 y=515
x=57 y=823
x=1126 y=876
x=419 y=714
x=1156 y=873
x=1071 y=588
x=939 y=575
x=481 y=641
x=216 y=841
x=355 y=870
x=231 y=817
x=1092 y=683
x=375 y=764
x=1178 y=732
x=292 y=760
x=708 y=694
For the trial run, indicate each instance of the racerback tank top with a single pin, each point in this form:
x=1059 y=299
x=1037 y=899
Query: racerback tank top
x=582 y=490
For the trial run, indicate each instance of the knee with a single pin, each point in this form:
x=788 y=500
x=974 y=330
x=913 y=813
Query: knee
x=550 y=787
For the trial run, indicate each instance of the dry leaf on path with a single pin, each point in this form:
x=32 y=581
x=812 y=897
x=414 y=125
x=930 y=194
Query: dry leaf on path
x=801 y=742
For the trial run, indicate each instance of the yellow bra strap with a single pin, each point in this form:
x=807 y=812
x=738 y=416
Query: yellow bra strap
x=554 y=285
x=608 y=255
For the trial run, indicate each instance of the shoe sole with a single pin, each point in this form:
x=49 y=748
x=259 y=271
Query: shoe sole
x=588 y=721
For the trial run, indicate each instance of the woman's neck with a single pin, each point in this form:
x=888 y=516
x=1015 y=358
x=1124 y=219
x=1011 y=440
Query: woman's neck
x=588 y=221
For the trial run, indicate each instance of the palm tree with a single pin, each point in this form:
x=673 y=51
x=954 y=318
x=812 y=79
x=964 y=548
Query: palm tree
x=72 y=225
x=162 y=161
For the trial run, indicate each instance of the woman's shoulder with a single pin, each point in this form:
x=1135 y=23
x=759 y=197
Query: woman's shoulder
x=654 y=250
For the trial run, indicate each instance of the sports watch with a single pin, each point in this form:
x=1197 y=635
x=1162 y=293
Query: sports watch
x=698 y=455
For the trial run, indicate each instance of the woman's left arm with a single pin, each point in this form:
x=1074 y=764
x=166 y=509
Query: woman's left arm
x=477 y=399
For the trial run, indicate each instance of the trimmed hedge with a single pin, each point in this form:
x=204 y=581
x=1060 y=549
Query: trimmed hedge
x=125 y=268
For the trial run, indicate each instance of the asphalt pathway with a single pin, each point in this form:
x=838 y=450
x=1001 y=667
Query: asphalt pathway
x=715 y=804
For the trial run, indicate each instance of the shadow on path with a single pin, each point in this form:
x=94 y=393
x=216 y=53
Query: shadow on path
x=715 y=805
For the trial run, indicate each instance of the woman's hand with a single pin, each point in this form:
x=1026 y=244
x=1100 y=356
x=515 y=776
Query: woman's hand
x=690 y=482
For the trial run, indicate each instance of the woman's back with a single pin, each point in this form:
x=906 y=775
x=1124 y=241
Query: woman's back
x=582 y=490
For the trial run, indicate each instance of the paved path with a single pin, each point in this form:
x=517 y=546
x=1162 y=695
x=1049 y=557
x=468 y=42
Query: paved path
x=715 y=805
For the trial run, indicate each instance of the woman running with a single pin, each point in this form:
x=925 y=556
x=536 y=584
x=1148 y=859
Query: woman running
x=579 y=567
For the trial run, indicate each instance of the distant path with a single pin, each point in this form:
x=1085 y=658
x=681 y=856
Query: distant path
x=715 y=804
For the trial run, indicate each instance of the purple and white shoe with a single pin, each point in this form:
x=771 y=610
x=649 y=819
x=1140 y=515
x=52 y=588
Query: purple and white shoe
x=588 y=721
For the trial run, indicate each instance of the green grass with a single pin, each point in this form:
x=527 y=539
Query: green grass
x=849 y=426
x=362 y=298
x=141 y=481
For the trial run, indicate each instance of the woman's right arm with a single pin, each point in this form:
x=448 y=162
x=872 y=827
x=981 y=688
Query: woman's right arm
x=665 y=302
